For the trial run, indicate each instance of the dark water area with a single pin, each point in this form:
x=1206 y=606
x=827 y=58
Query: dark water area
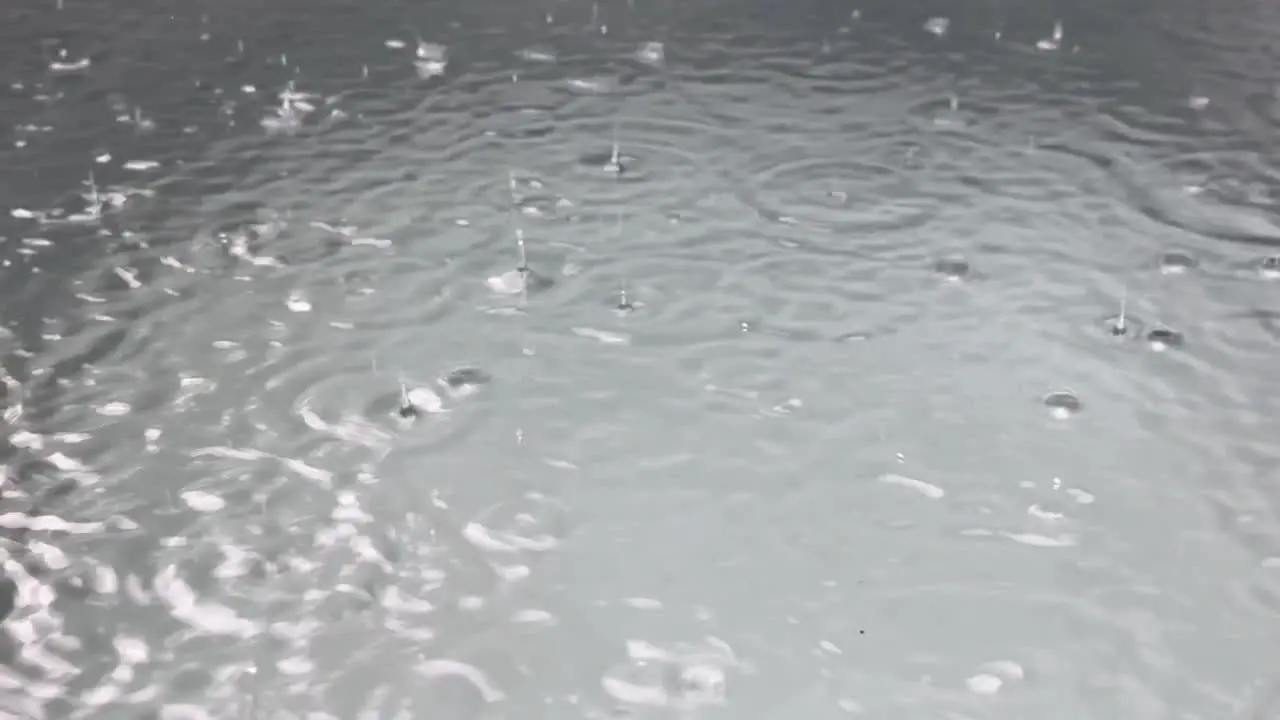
x=640 y=360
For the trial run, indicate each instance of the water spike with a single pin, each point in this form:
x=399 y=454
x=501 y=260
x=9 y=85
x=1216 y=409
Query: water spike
x=624 y=304
x=406 y=409
x=524 y=258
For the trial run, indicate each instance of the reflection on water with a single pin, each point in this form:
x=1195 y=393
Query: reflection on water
x=633 y=359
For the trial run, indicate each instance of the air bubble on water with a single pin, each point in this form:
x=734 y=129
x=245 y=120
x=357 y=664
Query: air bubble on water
x=1269 y=267
x=1062 y=404
x=1161 y=339
x=1176 y=262
x=465 y=381
x=952 y=269
x=937 y=25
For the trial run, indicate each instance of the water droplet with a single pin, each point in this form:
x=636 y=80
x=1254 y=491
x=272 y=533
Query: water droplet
x=1062 y=404
x=953 y=269
x=1269 y=267
x=1176 y=263
x=462 y=382
x=1162 y=339
x=466 y=376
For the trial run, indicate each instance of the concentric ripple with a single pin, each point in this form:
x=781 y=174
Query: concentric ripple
x=874 y=183
x=603 y=359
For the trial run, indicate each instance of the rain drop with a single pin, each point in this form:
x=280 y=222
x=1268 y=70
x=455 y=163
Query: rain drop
x=1176 y=263
x=1269 y=267
x=952 y=269
x=1062 y=404
x=1162 y=339
x=465 y=381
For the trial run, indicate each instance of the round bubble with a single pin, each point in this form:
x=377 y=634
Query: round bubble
x=1062 y=404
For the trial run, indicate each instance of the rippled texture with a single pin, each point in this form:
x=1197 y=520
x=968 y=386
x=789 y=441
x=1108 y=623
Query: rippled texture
x=639 y=359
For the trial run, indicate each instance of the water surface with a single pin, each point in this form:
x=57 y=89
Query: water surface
x=806 y=360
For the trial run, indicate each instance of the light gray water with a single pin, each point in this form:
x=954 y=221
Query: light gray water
x=916 y=364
